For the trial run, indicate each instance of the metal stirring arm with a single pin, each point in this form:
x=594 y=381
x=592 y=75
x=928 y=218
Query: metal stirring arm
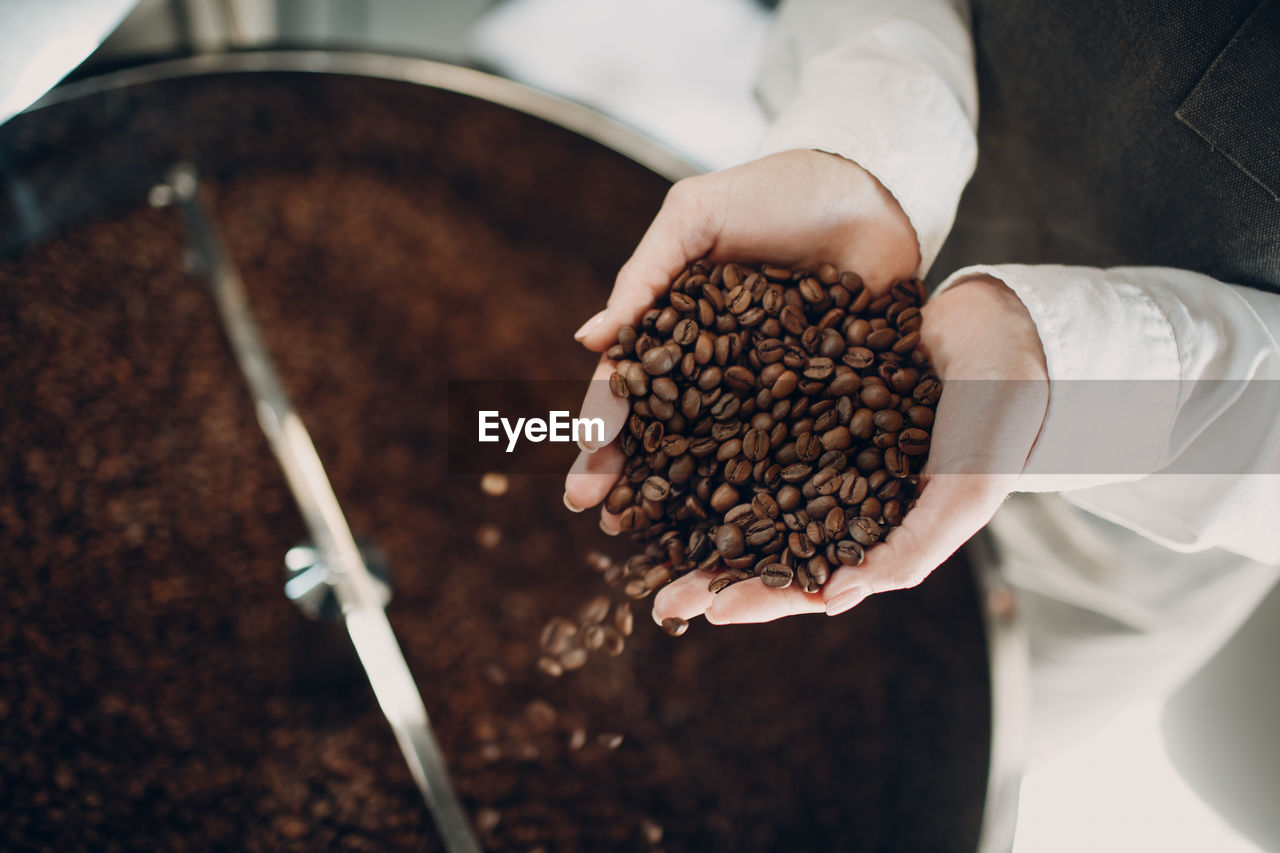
x=357 y=592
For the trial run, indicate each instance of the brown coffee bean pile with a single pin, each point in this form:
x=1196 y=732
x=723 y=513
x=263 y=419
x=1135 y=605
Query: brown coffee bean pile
x=779 y=421
x=159 y=692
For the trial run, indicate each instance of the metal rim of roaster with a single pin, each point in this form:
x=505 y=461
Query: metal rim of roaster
x=1007 y=649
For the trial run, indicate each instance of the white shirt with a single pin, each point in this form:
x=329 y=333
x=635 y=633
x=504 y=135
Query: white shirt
x=890 y=84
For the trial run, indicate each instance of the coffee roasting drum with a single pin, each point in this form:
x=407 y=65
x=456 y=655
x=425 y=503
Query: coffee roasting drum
x=397 y=224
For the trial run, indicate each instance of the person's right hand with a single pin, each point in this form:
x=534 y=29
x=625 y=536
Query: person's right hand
x=800 y=208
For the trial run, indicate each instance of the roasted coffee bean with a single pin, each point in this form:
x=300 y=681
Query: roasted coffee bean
x=682 y=302
x=849 y=553
x=816 y=533
x=803 y=580
x=675 y=626
x=698 y=545
x=685 y=332
x=777 y=575
x=903 y=380
x=869 y=460
x=653 y=436
x=920 y=416
x=764 y=506
x=738 y=300
x=740 y=515
x=632 y=518
x=907 y=290
x=914 y=441
x=657 y=576
x=857 y=357
x=862 y=424
x=796 y=473
x=835 y=523
x=737 y=471
x=895 y=462
x=811 y=290
x=656 y=489
x=619 y=499
x=788 y=498
x=889 y=489
x=618 y=386
x=907 y=343
x=819 y=570
x=755 y=444
x=660 y=408
x=550 y=666
x=885 y=440
x=573 y=659
x=888 y=420
x=681 y=469
x=928 y=391
x=719 y=583
x=819 y=368
x=729 y=541
x=799 y=545
x=729 y=449
x=819 y=506
x=865 y=531
x=666 y=320
x=876 y=397
x=808 y=447
x=770 y=350
x=760 y=532
x=726 y=408
x=674 y=445
x=658 y=361
x=792 y=319
x=784 y=385
x=724 y=497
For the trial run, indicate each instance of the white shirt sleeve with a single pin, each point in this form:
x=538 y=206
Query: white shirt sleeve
x=889 y=84
x=1164 y=401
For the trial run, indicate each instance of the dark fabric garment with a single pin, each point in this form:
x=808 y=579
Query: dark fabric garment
x=1126 y=132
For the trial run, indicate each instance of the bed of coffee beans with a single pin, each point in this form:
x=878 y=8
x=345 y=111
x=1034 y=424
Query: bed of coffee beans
x=779 y=422
x=157 y=690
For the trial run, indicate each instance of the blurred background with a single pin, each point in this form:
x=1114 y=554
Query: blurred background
x=1196 y=773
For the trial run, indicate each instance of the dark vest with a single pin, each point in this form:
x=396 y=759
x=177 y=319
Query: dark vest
x=1126 y=132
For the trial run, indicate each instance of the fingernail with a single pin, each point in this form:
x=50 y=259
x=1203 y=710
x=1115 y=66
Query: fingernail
x=588 y=326
x=847 y=600
x=573 y=507
x=607 y=530
x=587 y=446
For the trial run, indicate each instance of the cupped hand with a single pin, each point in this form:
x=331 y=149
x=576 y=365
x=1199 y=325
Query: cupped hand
x=799 y=208
x=984 y=346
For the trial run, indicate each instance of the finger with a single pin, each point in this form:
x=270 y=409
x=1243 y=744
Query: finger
x=609 y=522
x=751 y=601
x=599 y=402
x=592 y=477
x=951 y=508
x=683 y=231
x=685 y=597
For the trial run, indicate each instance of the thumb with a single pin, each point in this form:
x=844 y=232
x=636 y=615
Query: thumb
x=684 y=230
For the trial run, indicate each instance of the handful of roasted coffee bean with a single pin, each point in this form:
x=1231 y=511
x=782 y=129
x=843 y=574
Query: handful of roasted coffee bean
x=779 y=421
